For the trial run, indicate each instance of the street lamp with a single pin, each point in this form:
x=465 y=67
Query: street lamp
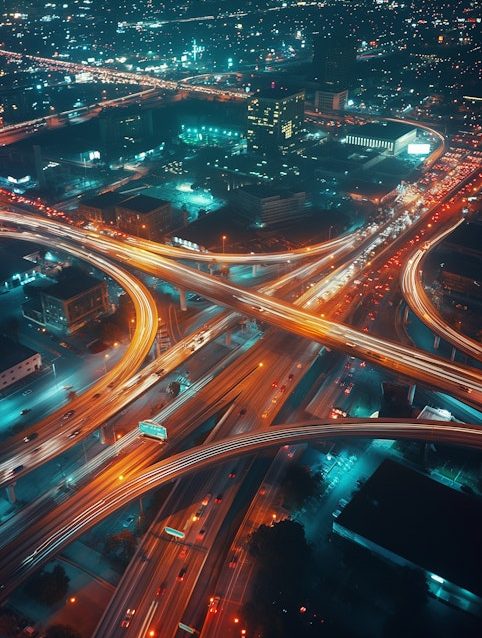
x=106 y=356
x=224 y=237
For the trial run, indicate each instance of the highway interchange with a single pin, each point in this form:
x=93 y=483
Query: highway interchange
x=240 y=383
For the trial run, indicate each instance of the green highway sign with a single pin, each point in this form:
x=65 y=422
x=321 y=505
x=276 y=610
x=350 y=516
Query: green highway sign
x=153 y=429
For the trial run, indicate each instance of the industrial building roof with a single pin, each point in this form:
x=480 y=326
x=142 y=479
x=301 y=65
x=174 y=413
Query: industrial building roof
x=427 y=523
x=73 y=283
x=390 y=131
x=13 y=353
x=142 y=203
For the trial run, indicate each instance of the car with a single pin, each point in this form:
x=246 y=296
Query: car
x=126 y=621
x=234 y=561
x=232 y=474
x=97 y=395
x=214 y=604
x=242 y=411
x=218 y=498
x=291 y=376
x=206 y=499
x=283 y=388
x=68 y=415
x=25 y=393
x=75 y=433
x=161 y=590
x=25 y=411
x=201 y=534
x=274 y=384
x=17 y=469
x=182 y=573
x=30 y=437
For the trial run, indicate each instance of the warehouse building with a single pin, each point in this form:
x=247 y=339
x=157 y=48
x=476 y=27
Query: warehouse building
x=388 y=137
x=409 y=519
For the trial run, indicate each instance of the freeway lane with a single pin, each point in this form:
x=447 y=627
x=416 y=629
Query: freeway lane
x=420 y=303
x=461 y=381
x=19 y=561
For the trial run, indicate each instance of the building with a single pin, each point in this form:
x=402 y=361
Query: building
x=125 y=126
x=144 y=216
x=17 y=361
x=16 y=271
x=389 y=137
x=101 y=208
x=334 y=58
x=411 y=520
x=69 y=304
x=327 y=100
x=267 y=205
x=275 y=120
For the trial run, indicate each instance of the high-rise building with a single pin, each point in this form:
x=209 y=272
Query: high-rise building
x=275 y=120
x=334 y=60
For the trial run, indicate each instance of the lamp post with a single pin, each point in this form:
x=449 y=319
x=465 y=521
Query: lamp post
x=224 y=237
x=106 y=356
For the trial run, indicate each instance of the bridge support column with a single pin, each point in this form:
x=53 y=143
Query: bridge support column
x=254 y=270
x=227 y=338
x=405 y=314
x=436 y=342
x=106 y=435
x=10 y=489
x=182 y=299
x=452 y=354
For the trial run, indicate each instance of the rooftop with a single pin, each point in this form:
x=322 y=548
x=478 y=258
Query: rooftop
x=105 y=200
x=264 y=191
x=277 y=93
x=13 y=353
x=425 y=522
x=381 y=131
x=142 y=203
x=74 y=282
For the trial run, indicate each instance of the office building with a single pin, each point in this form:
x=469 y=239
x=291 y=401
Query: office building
x=144 y=216
x=275 y=120
x=411 y=520
x=17 y=361
x=327 y=101
x=71 y=303
x=389 y=137
x=270 y=205
x=334 y=59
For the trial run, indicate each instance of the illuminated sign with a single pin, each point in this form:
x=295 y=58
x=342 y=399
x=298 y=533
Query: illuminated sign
x=153 y=429
x=418 y=149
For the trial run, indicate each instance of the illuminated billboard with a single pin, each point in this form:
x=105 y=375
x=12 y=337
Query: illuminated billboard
x=418 y=149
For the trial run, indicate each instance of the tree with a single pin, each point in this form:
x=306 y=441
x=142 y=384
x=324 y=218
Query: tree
x=120 y=547
x=61 y=631
x=299 y=485
x=49 y=587
x=174 y=388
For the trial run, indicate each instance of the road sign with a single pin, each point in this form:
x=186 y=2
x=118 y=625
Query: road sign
x=153 y=429
x=174 y=532
x=189 y=630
